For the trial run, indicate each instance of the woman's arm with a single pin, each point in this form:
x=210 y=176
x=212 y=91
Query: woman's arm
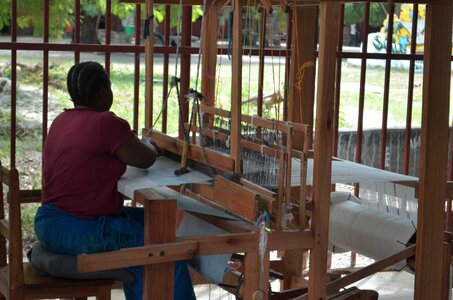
x=135 y=153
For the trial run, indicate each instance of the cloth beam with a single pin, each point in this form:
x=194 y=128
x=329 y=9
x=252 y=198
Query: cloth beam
x=159 y=174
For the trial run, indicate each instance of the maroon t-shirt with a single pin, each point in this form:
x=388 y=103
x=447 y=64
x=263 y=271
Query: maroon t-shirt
x=80 y=168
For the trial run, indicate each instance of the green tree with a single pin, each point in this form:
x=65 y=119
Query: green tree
x=159 y=14
x=30 y=13
x=354 y=13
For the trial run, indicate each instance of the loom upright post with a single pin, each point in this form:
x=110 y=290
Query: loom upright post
x=209 y=54
x=433 y=151
x=302 y=97
x=160 y=227
x=186 y=40
x=236 y=86
x=149 y=66
x=322 y=170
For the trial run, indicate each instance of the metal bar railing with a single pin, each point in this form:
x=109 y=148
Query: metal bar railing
x=385 y=108
x=13 y=85
x=45 y=68
x=410 y=93
x=338 y=86
x=137 y=67
x=358 y=157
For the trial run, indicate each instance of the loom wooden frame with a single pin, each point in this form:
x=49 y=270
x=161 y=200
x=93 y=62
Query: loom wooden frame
x=432 y=189
x=429 y=264
x=434 y=128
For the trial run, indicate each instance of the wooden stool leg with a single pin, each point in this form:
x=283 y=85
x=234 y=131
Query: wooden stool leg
x=104 y=292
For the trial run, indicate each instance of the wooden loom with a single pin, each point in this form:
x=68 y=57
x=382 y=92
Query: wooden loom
x=158 y=257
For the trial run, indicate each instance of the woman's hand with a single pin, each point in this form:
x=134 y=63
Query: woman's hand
x=136 y=153
x=149 y=142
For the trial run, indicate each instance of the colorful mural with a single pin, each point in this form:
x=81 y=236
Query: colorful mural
x=401 y=37
x=402 y=31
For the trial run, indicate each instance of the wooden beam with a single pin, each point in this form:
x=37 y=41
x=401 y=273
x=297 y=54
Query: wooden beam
x=339 y=283
x=302 y=76
x=209 y=54
x=257 y=188
x=189 y=246
x=236 y=86
x=137 y=256
x=160 y=227
x=267 y=4
x=262 y=41
x=186 y=41
x=233 y=226
x=256 y=121
x=213 y=158
x=433 y=151
x=236 y=199
x=300 y=110
x=256 y=279
x=293 y=260
x=256 y=146
x=449 y=190
x=149 y=65
x=322 y=169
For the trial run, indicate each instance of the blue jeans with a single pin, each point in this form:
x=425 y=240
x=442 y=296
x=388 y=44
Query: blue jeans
x=61 y=232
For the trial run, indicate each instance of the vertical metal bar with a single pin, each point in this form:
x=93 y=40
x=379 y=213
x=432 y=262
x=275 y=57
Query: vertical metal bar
x=336 y=116
x=45 y=68
x=259 y=100
x=76 y=37
x=289 y=33
x=358 y=155
x=410 y=92
x=108 y=28
x=137 y=67
x=385 y=108
x=13 y=85
x=166 y=63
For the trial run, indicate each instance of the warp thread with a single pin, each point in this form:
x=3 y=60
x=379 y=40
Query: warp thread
x=262 y=223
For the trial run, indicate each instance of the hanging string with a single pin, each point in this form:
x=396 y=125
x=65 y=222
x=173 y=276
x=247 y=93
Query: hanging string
x=201 y=43
x=175 y=80
x=197 y=96
x=164 y=106
x=200 y=121
x=148 y=20
x=300 y=67
x=262 y=224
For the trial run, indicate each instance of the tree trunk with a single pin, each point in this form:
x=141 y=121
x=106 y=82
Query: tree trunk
x=89 y=29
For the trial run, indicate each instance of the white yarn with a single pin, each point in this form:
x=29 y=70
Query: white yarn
x=263 y=243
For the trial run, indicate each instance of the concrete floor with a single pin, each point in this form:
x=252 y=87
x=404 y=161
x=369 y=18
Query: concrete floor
x=389 y=285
